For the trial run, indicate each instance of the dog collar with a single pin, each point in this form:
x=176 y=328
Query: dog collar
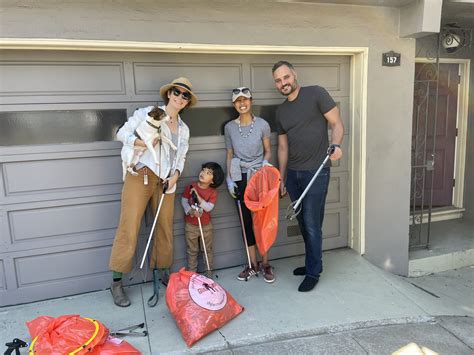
x=151 y=124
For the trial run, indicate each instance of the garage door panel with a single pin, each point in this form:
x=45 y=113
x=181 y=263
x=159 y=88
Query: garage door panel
x=326 y=75
x=34 y=224
x=54 y=78
x=3 y=283
x=337 y=196
x=51 y=80
x=57 y=266
x=334 y=77
x=335 y=229
x=343 y=163
x=343 y=103
x=61 y=174
x=211 y=81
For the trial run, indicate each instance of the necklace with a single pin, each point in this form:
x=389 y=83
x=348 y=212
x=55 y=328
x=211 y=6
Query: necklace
x=251 y=128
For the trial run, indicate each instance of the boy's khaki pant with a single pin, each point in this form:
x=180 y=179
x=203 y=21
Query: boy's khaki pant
x=194 y=244
x=135 y=197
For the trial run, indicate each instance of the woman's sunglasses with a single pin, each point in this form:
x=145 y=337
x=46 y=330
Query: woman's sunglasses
x=184 y=94
x=245 y=91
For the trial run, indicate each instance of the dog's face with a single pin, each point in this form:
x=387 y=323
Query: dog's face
x=158 y=115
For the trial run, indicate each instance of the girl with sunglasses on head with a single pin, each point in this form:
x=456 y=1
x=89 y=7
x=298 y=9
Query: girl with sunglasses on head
x=247 y=140
x=149 y=183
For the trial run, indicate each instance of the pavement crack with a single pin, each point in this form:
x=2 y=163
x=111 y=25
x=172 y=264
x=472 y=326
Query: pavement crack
x=440 y=323
x=146 y=323
x=360 y=345
x=226 y=341
x=428 y=292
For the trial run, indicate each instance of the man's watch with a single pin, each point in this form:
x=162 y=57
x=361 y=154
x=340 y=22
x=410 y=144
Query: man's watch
x=336 y=145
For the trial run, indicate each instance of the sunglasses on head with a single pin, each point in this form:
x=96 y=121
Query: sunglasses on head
x=245 y=91
x=184 y=94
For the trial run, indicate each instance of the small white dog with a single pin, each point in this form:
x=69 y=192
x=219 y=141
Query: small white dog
x=148 y=131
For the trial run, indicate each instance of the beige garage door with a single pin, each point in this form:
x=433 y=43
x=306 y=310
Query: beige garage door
x=60 y=176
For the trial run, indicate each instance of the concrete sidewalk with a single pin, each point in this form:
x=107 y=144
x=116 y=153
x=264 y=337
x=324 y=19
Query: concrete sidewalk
x=355 y=308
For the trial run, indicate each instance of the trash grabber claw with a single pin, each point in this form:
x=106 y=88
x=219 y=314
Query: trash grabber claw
x=294 y=208
x=130 y=331
x=153 y=300
x=16 y=344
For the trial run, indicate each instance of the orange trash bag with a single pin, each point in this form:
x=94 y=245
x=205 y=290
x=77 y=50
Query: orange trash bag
x=73 y=334
x=198 y=305
x=261 y=197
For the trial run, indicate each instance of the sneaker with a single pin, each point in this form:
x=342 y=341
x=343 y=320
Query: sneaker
x=267 y=271
x=247 y=273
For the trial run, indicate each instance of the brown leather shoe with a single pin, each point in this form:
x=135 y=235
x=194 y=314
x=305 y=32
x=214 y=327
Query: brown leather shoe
x=118 y=293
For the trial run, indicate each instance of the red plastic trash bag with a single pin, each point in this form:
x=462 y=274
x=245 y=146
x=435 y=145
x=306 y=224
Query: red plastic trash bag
x=261 y=197
x=72 y=334
x=198 y=304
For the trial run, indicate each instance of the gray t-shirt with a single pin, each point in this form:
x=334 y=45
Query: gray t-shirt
x=247 y=146
x=303 y=121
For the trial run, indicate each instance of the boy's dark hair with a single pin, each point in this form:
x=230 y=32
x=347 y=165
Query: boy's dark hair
x=282 y=63
x=217 y=172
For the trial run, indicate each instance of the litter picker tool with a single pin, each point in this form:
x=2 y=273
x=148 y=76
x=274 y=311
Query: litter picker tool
x=15 y=345
x=165 y=186
x=195 y=206
x=244 y=235
x=294 y=208
x=153 y=300
x=130 y=331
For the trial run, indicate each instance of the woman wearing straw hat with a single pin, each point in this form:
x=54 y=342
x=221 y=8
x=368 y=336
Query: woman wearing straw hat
x=148 y=185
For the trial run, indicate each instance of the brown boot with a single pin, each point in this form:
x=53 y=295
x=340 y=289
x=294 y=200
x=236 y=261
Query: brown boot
x=118 y=293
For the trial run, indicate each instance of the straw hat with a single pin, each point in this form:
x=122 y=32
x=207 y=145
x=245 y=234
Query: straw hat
x=182 y=83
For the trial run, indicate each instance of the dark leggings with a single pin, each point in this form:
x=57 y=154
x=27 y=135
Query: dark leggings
x=246 y=213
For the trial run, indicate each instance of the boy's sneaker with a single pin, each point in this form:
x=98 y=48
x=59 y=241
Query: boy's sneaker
x=247 y=273
x=267 y=271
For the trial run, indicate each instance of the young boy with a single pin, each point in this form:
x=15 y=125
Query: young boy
x=198 y=201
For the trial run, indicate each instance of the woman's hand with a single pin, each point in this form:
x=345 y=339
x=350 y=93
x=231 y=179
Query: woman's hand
x=282 y=189
x=139 y=143
x=172 y=180
x=232 y=187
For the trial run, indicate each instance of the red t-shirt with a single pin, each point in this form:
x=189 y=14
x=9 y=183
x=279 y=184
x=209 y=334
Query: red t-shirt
x=209 y=195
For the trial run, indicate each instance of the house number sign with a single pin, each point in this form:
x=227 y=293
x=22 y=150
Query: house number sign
x=391 y=59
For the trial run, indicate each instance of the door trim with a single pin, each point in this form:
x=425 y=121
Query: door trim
x=358 y=106
x=461 y=124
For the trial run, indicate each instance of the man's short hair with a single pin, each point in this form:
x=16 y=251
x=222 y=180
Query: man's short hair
x=282 y=63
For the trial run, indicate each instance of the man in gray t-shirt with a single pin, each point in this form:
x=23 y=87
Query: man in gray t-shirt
x=302 y=123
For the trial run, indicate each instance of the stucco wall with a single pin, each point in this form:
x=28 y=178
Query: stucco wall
x=427 y=46
x=271 y=23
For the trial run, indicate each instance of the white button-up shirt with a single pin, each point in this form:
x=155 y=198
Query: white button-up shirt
x=126 y=135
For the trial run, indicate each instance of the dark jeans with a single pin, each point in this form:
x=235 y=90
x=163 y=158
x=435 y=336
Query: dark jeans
x=310 y=219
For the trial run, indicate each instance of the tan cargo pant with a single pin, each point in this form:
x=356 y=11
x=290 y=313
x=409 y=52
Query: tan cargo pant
x=135 y=197
x=194 y=244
